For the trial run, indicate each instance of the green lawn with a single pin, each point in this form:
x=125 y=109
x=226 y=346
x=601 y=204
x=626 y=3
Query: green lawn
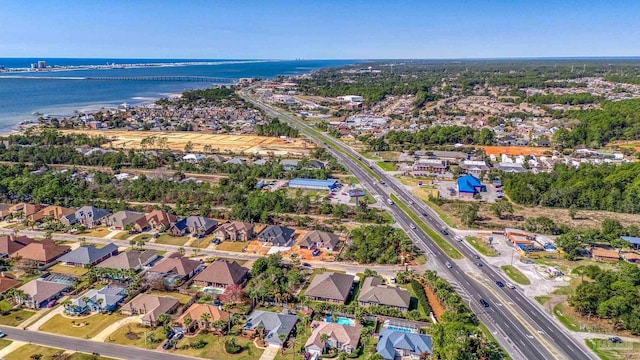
x=95 y=232
x=387 y=166
x=439 y=240
x=16 y=317
x=202 y=243
x=167 y=239
x=215 y=348
x=4 y=343
x=143 y=237
x=64 y=326
x=123 y=235
x=68 y=270
x=516 y=275
x=83 y=356
x=235 y=246
x=569 y=322
x=543 y=299
x=479 y=245
x=27 y=351
x=135 y=335
x=608 y=351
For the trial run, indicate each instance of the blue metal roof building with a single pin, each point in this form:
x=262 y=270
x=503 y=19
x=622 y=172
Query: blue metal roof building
x=635 y=241
x=313 y=184
x=470 y=185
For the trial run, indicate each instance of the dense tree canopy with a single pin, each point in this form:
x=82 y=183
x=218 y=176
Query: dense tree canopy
x=377 y=244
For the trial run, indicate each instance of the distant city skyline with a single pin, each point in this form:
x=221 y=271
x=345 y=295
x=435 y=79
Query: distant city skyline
x=320 y=30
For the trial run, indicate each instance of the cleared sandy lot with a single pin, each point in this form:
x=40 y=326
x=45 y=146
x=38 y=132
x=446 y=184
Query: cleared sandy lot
x=219 y=143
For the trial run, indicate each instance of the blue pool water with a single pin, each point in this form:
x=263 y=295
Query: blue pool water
x=397 y=328
x=341 y=321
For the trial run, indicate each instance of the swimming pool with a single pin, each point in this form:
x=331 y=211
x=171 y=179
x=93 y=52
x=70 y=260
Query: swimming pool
x=211 y=290
x=341 y=321
x=398 y=328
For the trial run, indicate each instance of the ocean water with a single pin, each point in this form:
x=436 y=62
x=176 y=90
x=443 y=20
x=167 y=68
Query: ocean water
x=60 y=93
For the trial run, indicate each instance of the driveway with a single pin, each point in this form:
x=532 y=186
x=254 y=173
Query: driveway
x=36 y=325
x=270 y=352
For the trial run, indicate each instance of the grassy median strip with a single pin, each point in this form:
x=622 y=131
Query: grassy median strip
x=481 y=246
x=439 y=240
x=515 y=275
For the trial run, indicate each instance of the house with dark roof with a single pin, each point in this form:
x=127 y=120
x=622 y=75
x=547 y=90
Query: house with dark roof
x=317 y=239
x=394 y=344
x=193 y=225
x=8 y=281
x=124 y=219
x=39 y=293
x=150 y=306
x=234 y=231
x=469 y=185
x=104 y=300
x=177 y=265
x=158 y=219
x=374 y=292
x=277 y=235
x=88 y=216
x=132 y=259
x=222 y=273
x=272 y=324
x=89 y=255
x=42 y=252
x=9 y=244
x=343 y=338
x=330 y=287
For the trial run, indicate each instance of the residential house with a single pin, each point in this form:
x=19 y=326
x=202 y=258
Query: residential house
x=123 y=220
x=9 y=244
x=511 y=167
x=5 y=210
x=474 y=167
x=317 y=239
x=193 y=225
x=88 y=216
x=331 y=287
x=631 y=257
x=605 y=255
x=40 y=293
x=133 y=259
x=193 y=158
x=104 y=300
x=52 y=212
x=394 y=344
x=24 y=210
x=89 y=255
x=235 y=161
x=234 y=231
x=159 y=220
x=469 y=185
x=374 y=292
x=42 y=252
x=222 y=273
x=178 y=265
x=196 y=312
x=289 y=164
x=277 y=235
x=344 y=338
x=150 y=306
x=272 y=326
x=7 y=282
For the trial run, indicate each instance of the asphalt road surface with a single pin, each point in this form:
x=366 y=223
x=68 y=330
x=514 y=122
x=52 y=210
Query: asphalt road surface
x=88 y=346
x=523 y=329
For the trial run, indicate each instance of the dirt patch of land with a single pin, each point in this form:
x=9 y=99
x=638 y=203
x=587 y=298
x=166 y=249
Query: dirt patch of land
x=219 y=143
x=515 y=150
x=435 y=304
x=584 y=219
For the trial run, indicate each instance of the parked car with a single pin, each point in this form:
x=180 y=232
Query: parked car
x=168 y=345
x=306 y=265
x=500 y=283
x=170 y=334
x=216 y=241
x=315 y=252
x=484 y=303
x=615 y=340
x=178 y=335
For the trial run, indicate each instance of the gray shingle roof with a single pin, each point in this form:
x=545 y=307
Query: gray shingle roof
x=320 y=239
x=273 y=324
x=223 y=272
x=129 y=260
x=390 y=340
x=88 y=254
x=330 y=285
x=278 y=235
x=372 y=291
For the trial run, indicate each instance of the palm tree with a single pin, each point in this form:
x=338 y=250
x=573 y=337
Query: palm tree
x=181 y=251
x=324 y=338
x=163 y=318
x=205 y=317
x=187 y=322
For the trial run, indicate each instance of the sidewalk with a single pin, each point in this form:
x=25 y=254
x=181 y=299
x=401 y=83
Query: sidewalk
x=36 y=325
x=104 y=334
x=270 y=352
x=11 y=348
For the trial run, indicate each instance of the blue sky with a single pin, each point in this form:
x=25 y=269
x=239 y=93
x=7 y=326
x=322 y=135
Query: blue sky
x=319 y=29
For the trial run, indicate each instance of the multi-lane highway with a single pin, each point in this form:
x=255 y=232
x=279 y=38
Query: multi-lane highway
x=518 y=324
